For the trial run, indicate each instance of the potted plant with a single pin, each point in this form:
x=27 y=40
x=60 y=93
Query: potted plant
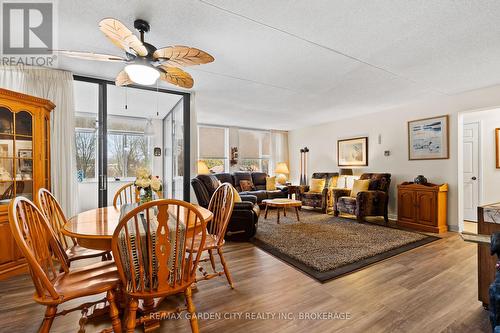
x=146 y=184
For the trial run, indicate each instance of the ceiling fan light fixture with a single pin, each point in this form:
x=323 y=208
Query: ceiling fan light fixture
x=142 y=74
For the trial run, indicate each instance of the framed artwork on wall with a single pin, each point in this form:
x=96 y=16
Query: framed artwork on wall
x=428 y=139
x=352 y=152
x=497 y=146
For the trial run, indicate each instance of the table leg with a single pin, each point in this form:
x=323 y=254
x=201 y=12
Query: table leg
x=278 y=210
x=297 y=212
x=148 y=307
x=265 y=215
x=284 y=211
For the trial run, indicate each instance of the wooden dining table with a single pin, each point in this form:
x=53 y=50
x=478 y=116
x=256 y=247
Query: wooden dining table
x=93 y=229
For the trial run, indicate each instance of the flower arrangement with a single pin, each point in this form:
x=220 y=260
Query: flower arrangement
x=146 y=184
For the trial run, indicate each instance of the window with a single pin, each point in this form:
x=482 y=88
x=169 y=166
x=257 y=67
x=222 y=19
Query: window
x=128 y=147
x=86 y=146
x=254 y=150
x=213 y=147
x=126 y=153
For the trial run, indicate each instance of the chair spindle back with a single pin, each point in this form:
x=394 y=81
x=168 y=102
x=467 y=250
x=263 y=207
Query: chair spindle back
x=53 y=212
x=150 y=247
x=128 y=194
x=221 y=205
x=38 y=243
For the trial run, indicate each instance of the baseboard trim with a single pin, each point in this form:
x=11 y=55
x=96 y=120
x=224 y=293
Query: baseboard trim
x=453 y=228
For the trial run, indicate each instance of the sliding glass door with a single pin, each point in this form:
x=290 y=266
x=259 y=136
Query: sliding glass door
x=87 y=144
x=118 y=130
x=174 y=159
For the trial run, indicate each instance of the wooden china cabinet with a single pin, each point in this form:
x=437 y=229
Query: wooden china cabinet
x=24 y=163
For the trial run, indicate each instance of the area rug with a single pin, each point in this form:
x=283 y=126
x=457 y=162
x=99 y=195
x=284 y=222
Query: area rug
x=326 y=247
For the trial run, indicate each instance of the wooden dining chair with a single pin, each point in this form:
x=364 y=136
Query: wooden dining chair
x=221 y=205
x=128 y=194
x=50 y=207
x=153 y=250
x=40 y=246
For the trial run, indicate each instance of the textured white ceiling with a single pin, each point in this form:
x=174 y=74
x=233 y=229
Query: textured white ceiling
x=289 y=63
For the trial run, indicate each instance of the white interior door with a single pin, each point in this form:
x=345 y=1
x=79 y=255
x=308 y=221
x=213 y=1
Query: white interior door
x=471 y=171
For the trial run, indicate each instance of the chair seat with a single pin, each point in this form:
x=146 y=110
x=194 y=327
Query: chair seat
x=89 y=280
x=210 y=243
x=312 y=195
x=348 y=200
x=77 y=252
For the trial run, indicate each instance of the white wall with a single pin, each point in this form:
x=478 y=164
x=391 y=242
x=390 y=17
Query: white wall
x=490 y=180
x=392 y=126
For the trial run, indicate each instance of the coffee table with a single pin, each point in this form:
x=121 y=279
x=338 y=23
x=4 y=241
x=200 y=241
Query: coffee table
x=282 y=204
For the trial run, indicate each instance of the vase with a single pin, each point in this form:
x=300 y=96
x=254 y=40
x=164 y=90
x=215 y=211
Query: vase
x=420 y=179
x=145 y=195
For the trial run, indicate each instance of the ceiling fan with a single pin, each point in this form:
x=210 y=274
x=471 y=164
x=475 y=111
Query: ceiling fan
x=145 y=64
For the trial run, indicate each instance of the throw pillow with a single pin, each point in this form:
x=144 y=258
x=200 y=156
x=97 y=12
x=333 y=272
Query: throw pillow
x=333 y=181
x=270 y=183
x=236 y=195
x=246 y=185
x=359 y=185
x=317 y=185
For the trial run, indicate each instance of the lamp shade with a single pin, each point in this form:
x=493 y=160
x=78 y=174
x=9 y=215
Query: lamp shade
x=345 y=172
x=202 y=168
x=282 y=168
x=142 y=74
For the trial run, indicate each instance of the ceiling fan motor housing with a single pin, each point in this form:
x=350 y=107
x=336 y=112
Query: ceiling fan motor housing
x=141 y=25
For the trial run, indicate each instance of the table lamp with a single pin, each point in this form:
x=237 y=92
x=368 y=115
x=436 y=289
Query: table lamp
x=203 y=168
x=281 y=172
x=345 y=172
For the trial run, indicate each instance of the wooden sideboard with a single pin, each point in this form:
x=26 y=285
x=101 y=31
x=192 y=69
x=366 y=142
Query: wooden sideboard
x=24 y=163
x=423 y=207
x=488 y=223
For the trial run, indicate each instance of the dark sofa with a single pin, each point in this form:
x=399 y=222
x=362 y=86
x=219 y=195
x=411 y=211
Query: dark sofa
x=259 y=181
x=243 y=223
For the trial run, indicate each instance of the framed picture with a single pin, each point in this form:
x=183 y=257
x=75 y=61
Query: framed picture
x=25 y=160
x=497 y=146
x=428 y=139
x=352 y=152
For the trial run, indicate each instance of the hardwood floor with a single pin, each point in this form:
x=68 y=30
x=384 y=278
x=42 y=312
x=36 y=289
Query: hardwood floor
x=429 y=289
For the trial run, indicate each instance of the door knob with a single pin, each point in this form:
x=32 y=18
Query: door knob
x=474 y=178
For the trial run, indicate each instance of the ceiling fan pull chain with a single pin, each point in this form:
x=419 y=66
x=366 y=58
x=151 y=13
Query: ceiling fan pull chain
x=157 y=98
x=126 y=97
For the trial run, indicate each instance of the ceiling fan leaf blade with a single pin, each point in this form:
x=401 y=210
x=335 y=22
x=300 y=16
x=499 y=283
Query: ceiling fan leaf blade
x=122 y=79
x=121 y=36
x=90 y=56
x=176 y=76
x=180 y=55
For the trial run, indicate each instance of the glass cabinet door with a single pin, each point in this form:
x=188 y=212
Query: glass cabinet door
x=23 y=163
x=16 y=155
x=6 y=156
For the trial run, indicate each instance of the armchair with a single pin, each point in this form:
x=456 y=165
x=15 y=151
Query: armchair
x=323 y=199
x=373 y=202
